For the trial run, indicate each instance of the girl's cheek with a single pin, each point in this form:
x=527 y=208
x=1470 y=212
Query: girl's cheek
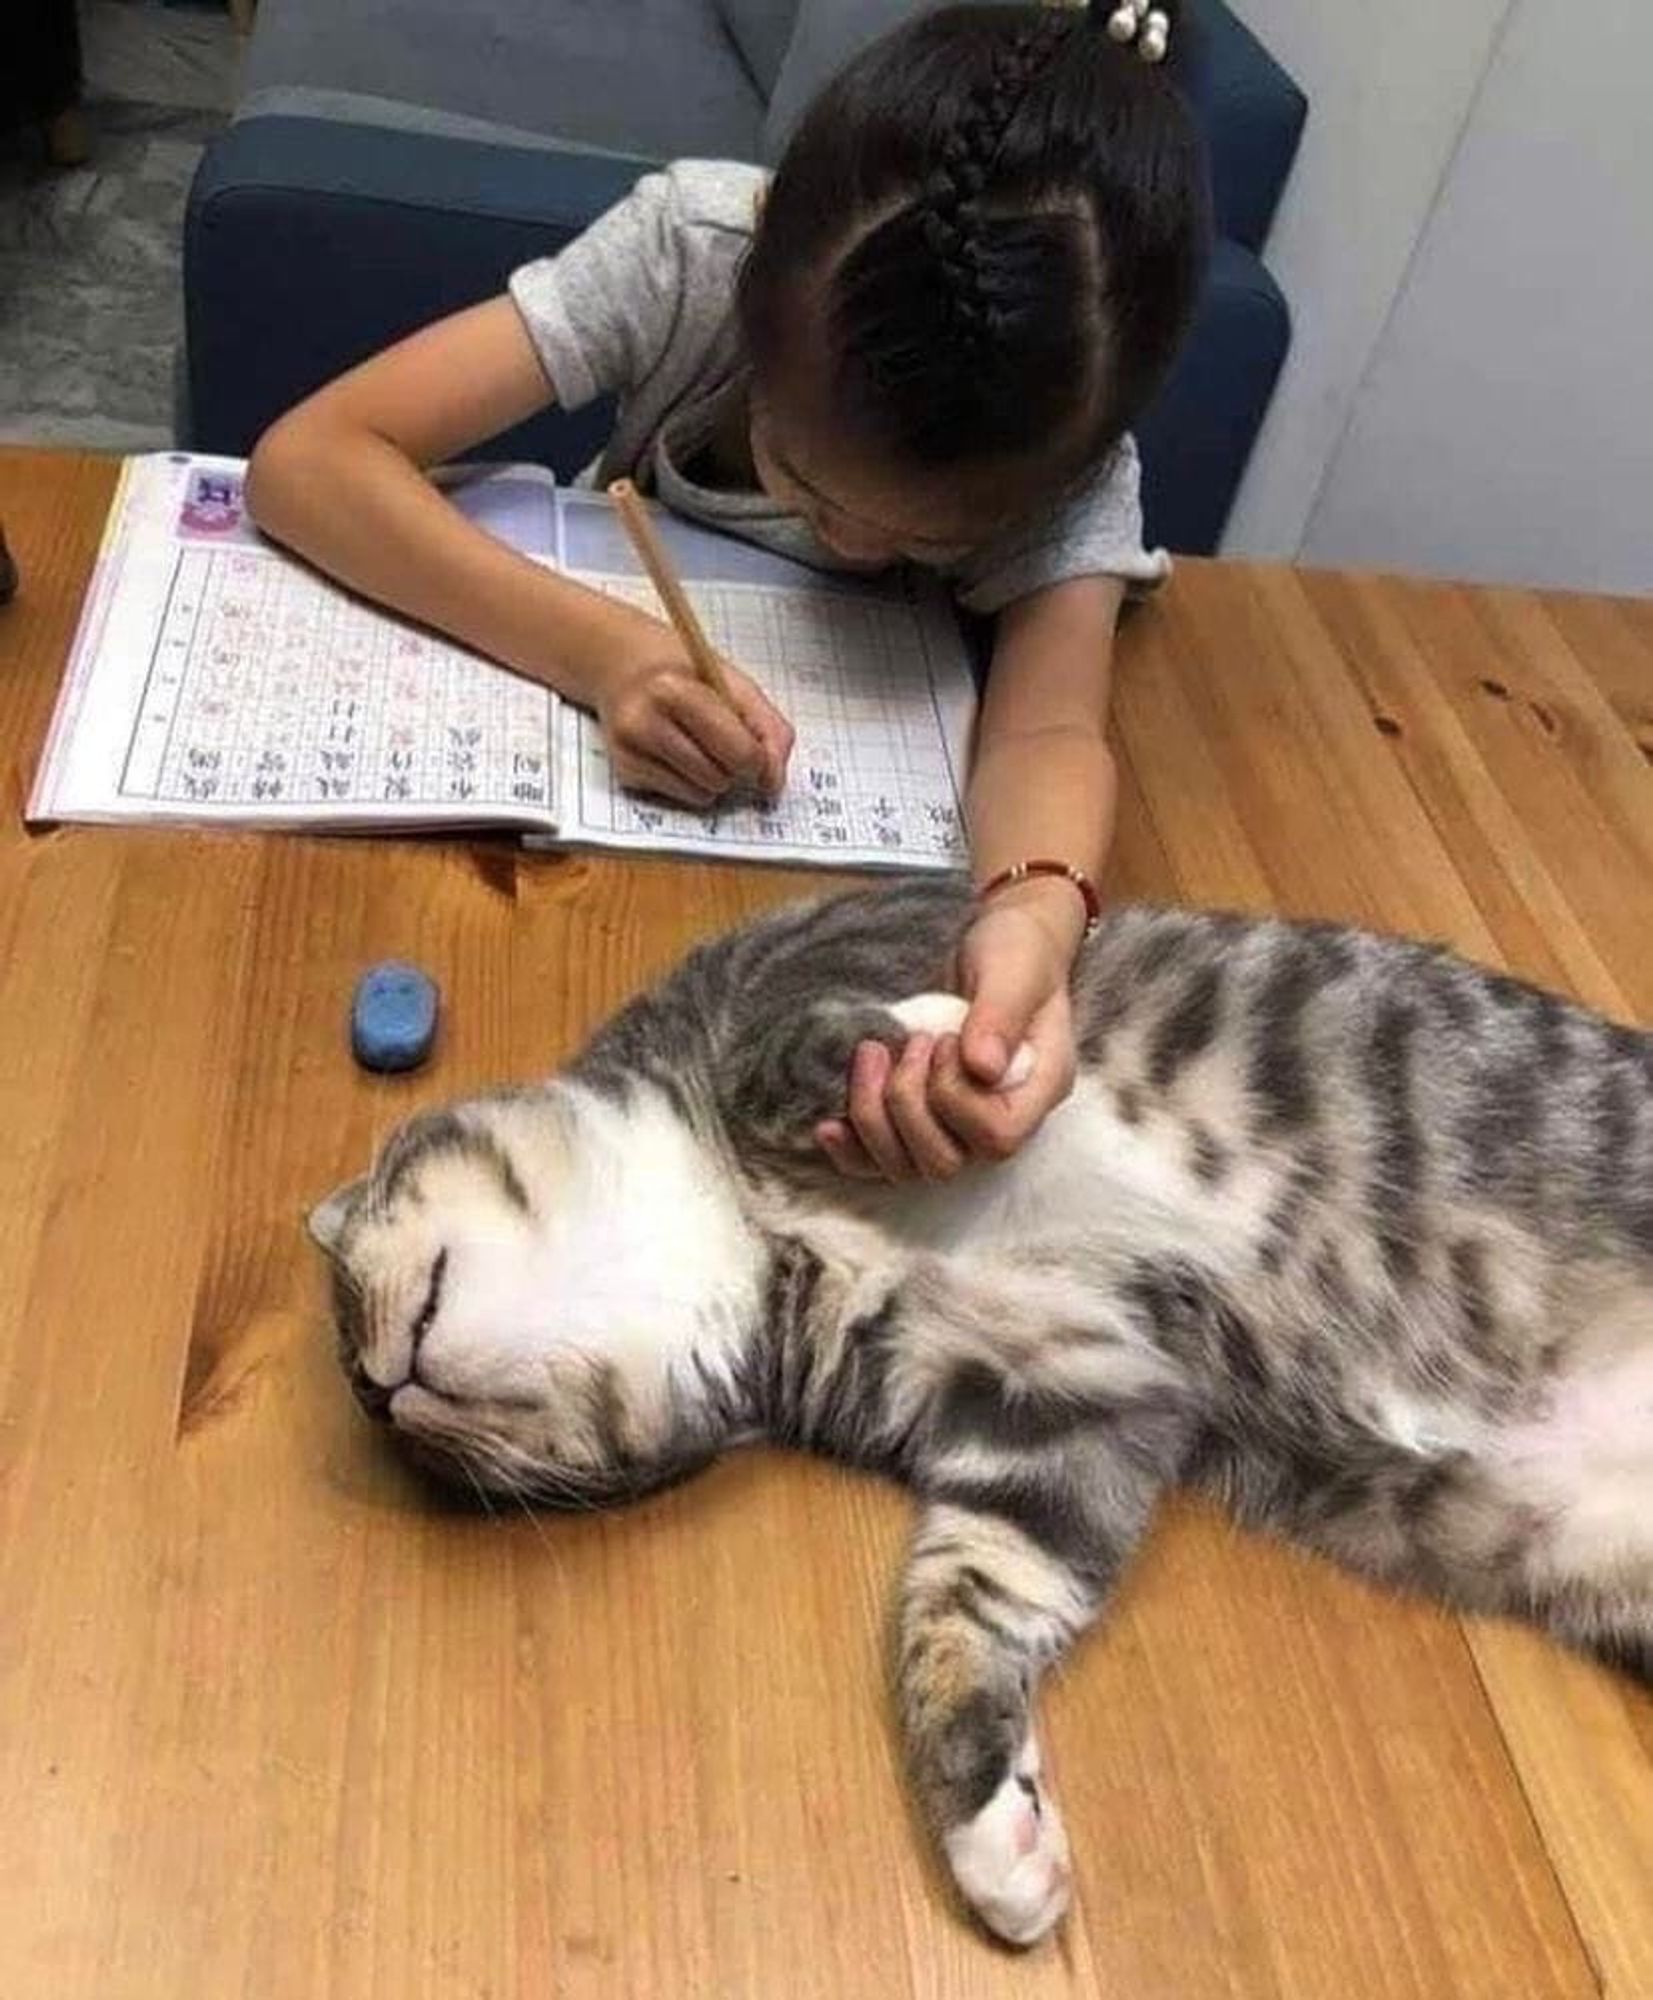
x=853 y=544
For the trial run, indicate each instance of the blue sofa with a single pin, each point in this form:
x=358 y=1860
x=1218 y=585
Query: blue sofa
x=392 y=160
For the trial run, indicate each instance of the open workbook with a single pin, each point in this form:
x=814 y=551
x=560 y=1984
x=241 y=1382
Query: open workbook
x=214 y=679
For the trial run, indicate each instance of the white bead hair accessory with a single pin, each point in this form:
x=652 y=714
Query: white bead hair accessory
x=1138 y=21
x=1156 y=36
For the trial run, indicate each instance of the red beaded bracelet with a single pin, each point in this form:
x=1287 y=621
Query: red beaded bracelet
x=1021 y=871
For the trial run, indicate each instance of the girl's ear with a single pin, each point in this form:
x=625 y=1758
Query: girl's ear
x=329 y=1219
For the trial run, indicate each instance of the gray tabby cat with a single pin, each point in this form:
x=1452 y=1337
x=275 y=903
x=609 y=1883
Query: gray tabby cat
x=1341 y=1230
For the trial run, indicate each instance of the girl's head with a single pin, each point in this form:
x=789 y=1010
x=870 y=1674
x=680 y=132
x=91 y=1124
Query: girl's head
x=975 y=263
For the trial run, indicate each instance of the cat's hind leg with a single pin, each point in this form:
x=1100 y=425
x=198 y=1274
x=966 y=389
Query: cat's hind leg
x=1545 y=1515
x=1580 y=1470
x=1543 y=1511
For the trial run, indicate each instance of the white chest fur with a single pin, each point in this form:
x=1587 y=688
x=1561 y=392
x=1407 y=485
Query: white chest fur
x=1088 y=1176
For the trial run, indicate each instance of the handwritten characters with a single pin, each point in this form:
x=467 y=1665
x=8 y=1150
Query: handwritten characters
x=871 y=774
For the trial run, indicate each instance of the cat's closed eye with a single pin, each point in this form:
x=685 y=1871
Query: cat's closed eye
x=432 y=1303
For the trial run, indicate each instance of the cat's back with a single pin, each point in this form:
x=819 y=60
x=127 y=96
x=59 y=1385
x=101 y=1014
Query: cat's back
x=1393 y=1084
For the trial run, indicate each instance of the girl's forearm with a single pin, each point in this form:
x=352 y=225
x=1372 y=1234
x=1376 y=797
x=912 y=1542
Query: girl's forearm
x=362 y=511
x=1044 y=794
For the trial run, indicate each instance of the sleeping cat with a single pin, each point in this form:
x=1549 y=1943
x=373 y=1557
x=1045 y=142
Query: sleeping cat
x=1341 y=1230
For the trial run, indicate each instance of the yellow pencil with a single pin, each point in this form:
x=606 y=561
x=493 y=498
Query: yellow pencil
x=708 y=667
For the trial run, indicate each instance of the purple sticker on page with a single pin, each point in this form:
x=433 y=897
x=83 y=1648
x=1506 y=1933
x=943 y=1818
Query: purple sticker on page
x=212 y=509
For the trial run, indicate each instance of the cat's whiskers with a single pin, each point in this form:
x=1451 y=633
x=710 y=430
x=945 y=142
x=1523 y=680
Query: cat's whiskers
x=513 y=1492
x=478 y=1489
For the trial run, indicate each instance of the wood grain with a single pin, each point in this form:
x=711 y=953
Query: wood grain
x=273 y=1723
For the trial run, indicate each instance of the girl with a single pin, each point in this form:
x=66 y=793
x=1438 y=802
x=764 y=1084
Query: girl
x=924 y=342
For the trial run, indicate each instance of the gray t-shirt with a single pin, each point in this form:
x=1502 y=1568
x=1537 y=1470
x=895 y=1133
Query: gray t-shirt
x=641 y=306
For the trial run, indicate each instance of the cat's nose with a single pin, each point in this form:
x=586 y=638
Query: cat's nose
x=373 y=1397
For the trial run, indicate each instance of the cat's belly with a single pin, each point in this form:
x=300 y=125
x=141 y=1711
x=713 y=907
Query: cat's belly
x=1092 y=1181
x=1585 y=1458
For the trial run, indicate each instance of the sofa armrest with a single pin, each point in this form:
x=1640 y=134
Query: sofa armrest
x=310 y=244
x=1198 y=433
x=1249 y=109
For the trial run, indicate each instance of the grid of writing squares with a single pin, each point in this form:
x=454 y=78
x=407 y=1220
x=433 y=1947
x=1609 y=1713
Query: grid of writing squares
x=870 y=770
x=270 y=687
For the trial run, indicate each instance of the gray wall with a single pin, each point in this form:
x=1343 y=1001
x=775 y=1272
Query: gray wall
x=1468 y=246
x=1389 y=88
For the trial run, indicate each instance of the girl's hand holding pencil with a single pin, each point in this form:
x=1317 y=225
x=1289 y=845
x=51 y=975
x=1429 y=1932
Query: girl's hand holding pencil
x=678 y=719
x=668 y=733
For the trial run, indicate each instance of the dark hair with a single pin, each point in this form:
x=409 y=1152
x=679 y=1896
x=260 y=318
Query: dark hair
x=1008 y=213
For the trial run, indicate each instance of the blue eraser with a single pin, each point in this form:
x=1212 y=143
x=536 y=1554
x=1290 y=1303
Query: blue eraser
x=393 y=1017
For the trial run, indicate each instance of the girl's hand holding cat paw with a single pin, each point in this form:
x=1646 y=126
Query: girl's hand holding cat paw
x=993 y=1120
x=920 y=1115
x=949 y=1099
x=891 y=1132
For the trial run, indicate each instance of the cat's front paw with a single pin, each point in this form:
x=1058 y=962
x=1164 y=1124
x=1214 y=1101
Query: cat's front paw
x=1011 y=1860
x=943 y=1014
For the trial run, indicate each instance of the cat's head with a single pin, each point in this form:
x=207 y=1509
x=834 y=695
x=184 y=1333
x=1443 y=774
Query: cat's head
x=544 y=1294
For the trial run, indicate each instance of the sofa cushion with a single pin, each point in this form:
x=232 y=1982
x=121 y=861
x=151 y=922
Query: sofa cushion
x=659 y=78
x=762 y=30
x=378 y=231
x=824 y=37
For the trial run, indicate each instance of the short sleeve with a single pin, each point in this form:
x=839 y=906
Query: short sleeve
x=601 y=312
x=1095 y=530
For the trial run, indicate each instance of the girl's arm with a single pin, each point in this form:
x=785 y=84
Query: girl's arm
x=1042 y=786
x=341 y=479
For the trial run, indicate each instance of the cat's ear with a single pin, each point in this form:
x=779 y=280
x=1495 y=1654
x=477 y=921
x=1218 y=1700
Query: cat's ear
x=329 y=1219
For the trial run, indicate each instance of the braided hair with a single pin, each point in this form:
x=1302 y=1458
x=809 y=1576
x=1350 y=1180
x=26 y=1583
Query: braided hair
x=1000 y=215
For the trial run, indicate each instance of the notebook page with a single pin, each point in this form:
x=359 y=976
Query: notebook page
x=215 y=679
x=874 y=678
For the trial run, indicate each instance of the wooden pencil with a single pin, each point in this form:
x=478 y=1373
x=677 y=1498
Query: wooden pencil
x=708 y=667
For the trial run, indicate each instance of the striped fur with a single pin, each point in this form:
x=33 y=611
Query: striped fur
x=1342 y=1230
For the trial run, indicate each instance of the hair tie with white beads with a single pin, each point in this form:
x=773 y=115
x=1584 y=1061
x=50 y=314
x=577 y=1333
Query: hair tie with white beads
x=1148 y=26
x=1133 y=21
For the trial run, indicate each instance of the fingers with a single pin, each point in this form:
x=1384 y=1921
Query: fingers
x=985 y=1046
x=1012 y=971
x=989 y=1124
x=838 y=1141
x=868 y=1076
x=890 y=1131
x=690 y=742
x=647 y=774
x=774 y=733
x=933 y=1151
x=1001 y=1013
x=943 y=1103
x=678 y=750
x=924 y=1116
x=721 y=737
x=654 y=750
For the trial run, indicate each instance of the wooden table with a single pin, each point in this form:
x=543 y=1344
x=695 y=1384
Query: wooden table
x=271 y=1727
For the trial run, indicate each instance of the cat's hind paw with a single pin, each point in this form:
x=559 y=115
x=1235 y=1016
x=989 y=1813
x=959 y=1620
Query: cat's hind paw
x=943 y=1014
x=1011 y=1860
